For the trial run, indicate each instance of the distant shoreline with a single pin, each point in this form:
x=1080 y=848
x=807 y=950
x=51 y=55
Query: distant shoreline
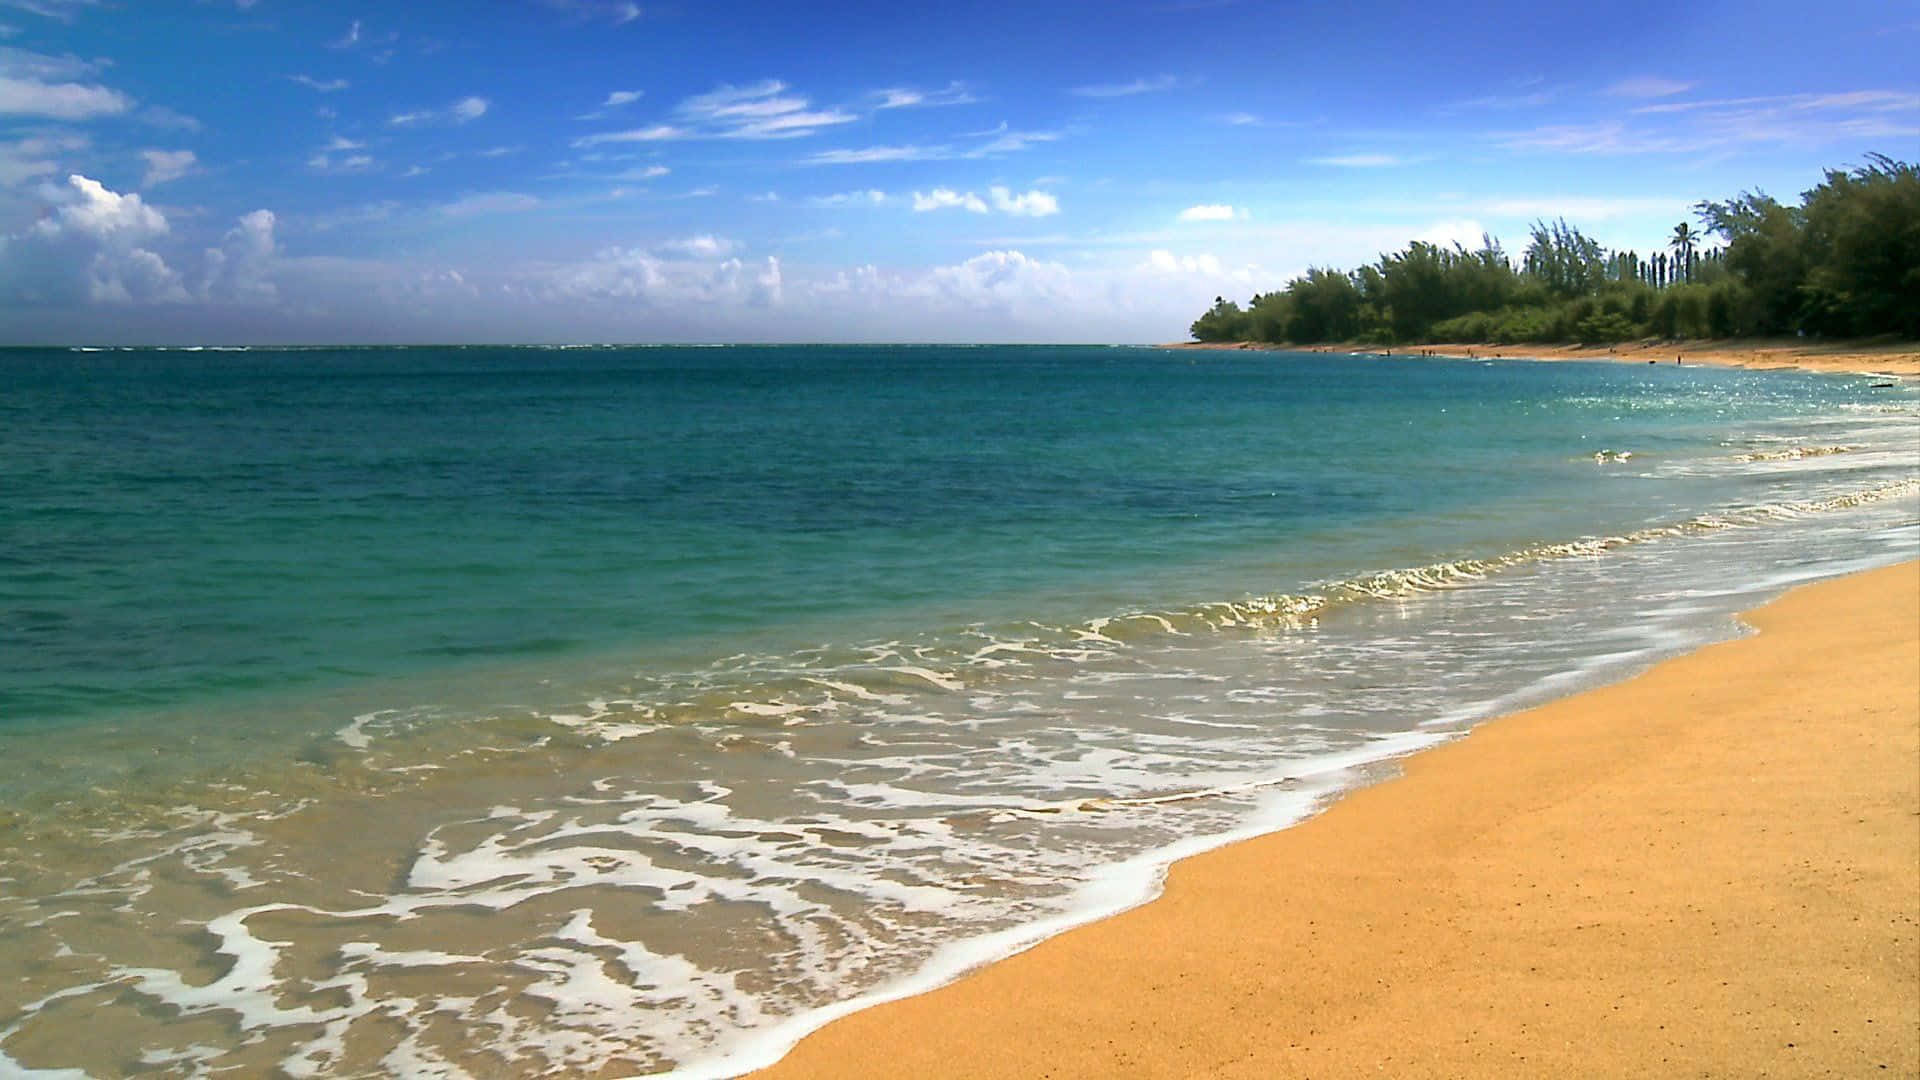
x=1829 y=356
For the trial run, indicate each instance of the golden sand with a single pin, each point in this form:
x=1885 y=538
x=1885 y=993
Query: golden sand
x=1710 y=870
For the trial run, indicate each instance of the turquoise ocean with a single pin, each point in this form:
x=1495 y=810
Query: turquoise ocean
x=607 y=711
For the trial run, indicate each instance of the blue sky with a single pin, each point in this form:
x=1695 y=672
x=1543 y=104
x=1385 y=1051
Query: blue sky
x=210 y=171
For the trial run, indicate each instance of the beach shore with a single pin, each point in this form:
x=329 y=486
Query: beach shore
x=1712 y=869
x=1893 y=359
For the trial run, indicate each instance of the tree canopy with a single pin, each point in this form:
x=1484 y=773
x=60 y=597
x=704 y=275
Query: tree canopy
x=1845 y=261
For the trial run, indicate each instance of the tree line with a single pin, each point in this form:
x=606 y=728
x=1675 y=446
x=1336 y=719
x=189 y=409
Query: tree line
x=1844 y=262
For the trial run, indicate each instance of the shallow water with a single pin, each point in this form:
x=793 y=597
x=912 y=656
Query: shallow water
x=518 y=712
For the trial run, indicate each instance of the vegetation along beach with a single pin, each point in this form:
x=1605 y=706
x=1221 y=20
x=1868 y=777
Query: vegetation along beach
x=596 y=539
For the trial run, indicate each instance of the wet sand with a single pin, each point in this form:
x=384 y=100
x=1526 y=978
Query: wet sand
x=1710 y=870
x=1892 y=359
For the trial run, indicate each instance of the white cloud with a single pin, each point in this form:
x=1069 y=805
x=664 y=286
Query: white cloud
x=1694 y=127
x=1648 y=86
x=35 y=156
x=617 y=12
x=762 y=110
x=1166 y=262
x=994 y=143
x=1126 y=89
x=633 y=274
x=1359 y=161
x=91 y=245
x=904 y=97
x=1240 y=119
x=166 y=165
x=655 y=133
x=617 y=98
x=1031 y=204
x=325 y=86
x=338 y=156
x=869 y=154
x=1467 y=233
x=92 y=209
x=64 y=10
x=463 y=111
x=1002 y=141
x=59 y=101
x=240 y=268
x=705 y=245
x=1001 y=278
x=947 y=198
x=1209 y=212
x=870 y=197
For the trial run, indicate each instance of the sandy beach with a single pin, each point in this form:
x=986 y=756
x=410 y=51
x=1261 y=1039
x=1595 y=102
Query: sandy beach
x=1894 y=359
x=1712 y=869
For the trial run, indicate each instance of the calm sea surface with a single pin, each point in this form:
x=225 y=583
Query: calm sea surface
x=606 y=711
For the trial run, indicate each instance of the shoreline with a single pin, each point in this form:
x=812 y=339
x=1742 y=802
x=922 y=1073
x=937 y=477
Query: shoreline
x=1597 y=854
x=1841 y=357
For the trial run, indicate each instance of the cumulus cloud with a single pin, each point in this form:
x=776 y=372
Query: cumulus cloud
x=1467 y=233
x=869 y=197
x=1031 y=204
x=947 y=198
x=166 y=165
x=241 y=268
x=1208 y=212
x=1166 y=262
x=634 y=274
x=705 y=245
x=91 y=245
x=1000 y=276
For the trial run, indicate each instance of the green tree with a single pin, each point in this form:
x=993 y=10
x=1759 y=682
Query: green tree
x=1863 y=246
x=1568 y=262
x=1222 y=322
x=1684 y=239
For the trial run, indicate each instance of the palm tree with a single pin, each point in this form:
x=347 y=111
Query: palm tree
x=1682 y=245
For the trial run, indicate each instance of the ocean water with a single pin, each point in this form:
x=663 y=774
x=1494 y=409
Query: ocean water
x=619 y=711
